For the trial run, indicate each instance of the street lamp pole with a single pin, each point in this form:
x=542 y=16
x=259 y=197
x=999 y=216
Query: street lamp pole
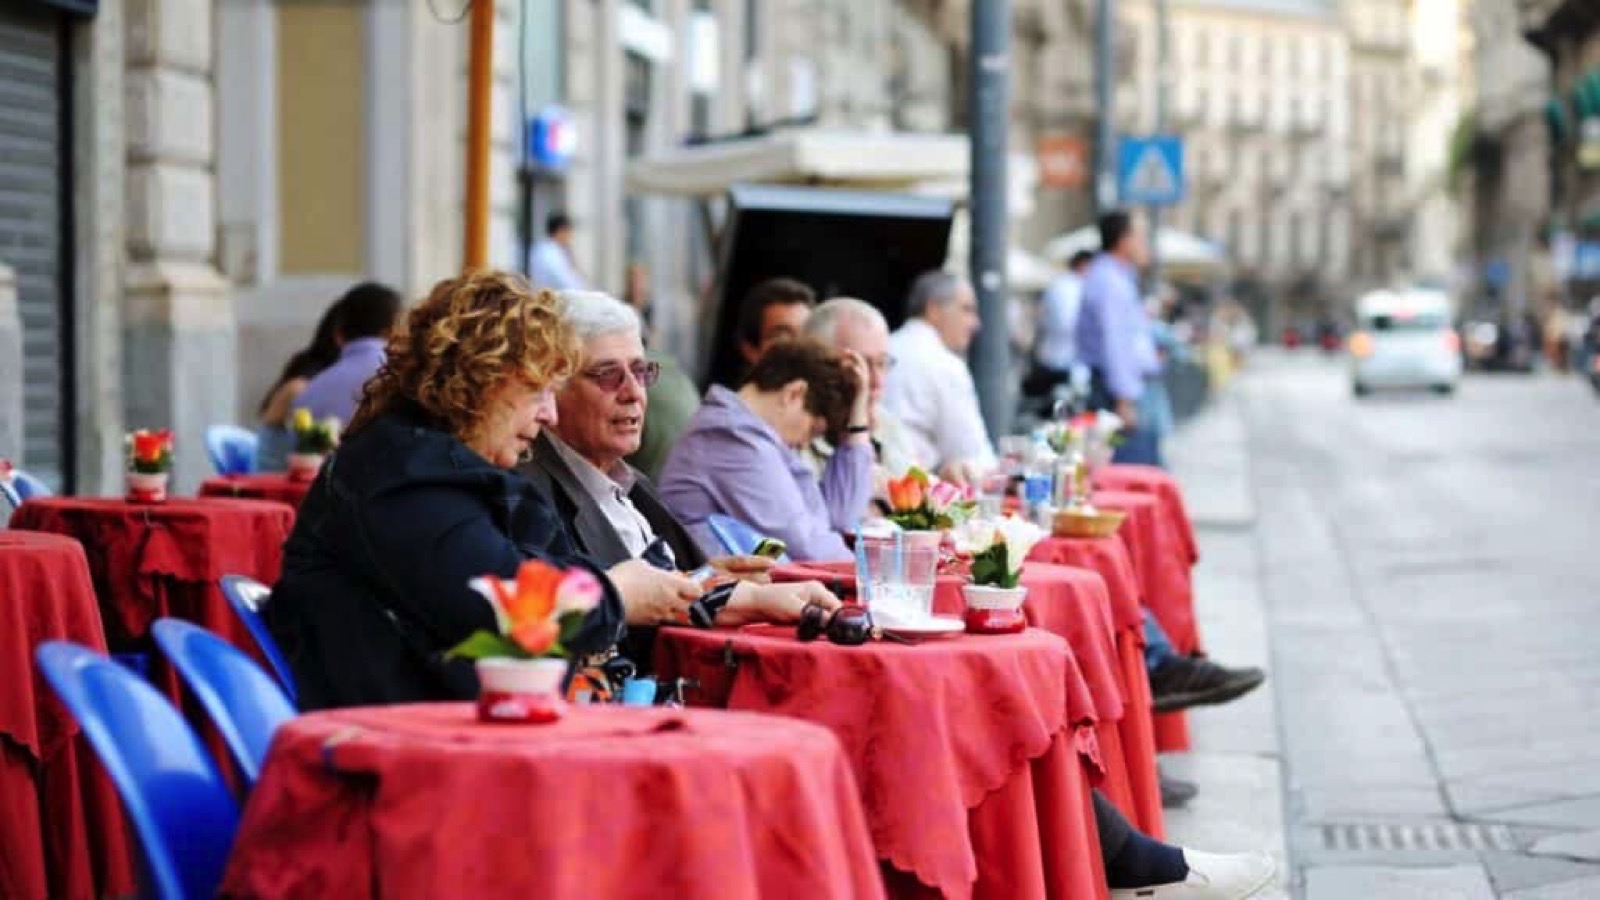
x=1105 y=193
x=1163 y=86
x=480 y=74
x=990 y=66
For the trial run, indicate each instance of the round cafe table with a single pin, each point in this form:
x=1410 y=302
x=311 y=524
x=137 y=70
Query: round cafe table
x=149 y=561
x=1074 y=604
x=608 y=802
x=974 y=754
x=1139 y=479
x=61 y=829
x=1138 y=728
x=262 y=486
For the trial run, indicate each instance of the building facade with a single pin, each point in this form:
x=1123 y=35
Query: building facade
x=1259 y=95
x=1568 y=33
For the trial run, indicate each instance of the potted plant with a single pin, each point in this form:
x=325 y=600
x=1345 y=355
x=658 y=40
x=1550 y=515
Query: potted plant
x=149 y=456
x=313 y=441
x=997 y=549
x=522 y=665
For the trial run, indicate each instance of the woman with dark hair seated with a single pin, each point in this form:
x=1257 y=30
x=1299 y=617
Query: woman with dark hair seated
x=420 y=498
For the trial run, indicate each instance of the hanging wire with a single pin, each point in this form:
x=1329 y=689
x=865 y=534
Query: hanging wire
x=466 y=7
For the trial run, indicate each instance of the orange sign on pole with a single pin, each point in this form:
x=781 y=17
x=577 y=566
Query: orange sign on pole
x=1063 y=160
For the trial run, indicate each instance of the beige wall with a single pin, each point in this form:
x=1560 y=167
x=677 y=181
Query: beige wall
x=321 y=92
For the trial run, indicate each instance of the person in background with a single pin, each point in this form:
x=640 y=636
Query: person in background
x=854 y=326
x=930 y=389
x=636 y=293
x=550 y=262
x=367 y=314
x=672 y=402
x=272 y=429
x=611 y=510
x=1114 y=338
x=1055 y=353
x=774 y=310
x=740 y=455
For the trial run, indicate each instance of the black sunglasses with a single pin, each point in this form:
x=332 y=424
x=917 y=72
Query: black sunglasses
x=848 y=626
x=610 y=377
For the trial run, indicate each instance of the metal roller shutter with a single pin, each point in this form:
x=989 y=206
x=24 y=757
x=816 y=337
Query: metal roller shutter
x=33 y=208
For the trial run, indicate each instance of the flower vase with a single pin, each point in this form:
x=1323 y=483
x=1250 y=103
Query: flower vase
x=994 y=610
x=147 y=487
x=521 y=690
x=304 y=466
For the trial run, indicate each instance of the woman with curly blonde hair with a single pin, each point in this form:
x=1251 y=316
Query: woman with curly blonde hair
x=420 y=498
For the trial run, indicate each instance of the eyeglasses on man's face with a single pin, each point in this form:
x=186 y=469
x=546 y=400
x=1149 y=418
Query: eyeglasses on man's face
x=609 y=377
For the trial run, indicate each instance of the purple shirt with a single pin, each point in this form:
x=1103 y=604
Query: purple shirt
x=1112 y=324
x=336 y=391
x=731 y=462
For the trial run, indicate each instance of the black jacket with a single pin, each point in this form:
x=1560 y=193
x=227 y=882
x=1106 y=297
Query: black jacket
x=376 y=571
x=587 y=525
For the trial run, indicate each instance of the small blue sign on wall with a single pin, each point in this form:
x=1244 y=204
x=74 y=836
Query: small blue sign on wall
x=1150 y=170
x=551 y=138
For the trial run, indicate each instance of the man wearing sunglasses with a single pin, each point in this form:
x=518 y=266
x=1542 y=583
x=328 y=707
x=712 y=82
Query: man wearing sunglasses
x=611 y=510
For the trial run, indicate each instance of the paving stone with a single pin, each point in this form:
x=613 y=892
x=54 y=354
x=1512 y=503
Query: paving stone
x=1581 y=845
x=1516 y=872
x=1582 y=889
x=1581 y=813
x=1394 y=883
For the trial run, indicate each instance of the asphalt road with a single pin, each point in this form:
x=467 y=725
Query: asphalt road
x=1429 y=570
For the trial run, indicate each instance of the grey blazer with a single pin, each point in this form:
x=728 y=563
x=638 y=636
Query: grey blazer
x=587 y=525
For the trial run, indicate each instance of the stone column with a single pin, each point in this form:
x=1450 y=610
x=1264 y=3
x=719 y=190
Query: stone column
x=99 y=156
x=180 y=362
x=10 y=367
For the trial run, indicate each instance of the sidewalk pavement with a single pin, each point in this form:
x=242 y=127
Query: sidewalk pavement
x=1236 y=760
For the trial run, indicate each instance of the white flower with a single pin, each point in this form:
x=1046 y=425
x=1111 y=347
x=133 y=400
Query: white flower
x=974 y=536
x=1020 y=536
x=1106 y=424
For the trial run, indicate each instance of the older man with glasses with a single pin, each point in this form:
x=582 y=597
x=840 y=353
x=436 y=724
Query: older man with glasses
x=611 y=510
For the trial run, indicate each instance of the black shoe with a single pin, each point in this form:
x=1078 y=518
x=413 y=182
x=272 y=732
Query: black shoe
x=1176 y=794
x=1185 y=681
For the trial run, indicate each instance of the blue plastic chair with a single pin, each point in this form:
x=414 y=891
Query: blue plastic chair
x=243 y=701
x=249 y=598
x=178 y=803
x=26 y=487
x=736 y=538
x=232 y=449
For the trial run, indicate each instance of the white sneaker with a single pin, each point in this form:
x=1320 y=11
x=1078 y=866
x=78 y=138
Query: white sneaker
x=1212 y=876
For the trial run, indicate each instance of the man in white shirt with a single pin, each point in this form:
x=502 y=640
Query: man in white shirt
x=930 y=388
x=550 y=263
x=1055 y=355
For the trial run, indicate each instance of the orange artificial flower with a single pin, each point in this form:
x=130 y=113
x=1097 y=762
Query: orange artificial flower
x=148 y=446
x=906 y=493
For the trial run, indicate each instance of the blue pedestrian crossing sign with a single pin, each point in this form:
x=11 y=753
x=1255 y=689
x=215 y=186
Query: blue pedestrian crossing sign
x=1150 y=170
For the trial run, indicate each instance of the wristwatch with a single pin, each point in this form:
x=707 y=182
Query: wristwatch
x=703 y=612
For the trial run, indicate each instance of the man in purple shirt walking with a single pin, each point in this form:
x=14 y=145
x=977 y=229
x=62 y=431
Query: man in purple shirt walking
x=369 y=312
x=1114 y=336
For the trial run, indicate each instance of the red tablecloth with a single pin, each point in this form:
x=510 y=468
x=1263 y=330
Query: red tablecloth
x=151 y=561
x=1163 y=567
x=264 y=486
x=61 y=831
x=1152 y=480
x=425 y=801
x=963 y=747
x=1138 y=729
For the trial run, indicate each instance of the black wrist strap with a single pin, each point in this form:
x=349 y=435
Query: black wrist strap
x=703 y=612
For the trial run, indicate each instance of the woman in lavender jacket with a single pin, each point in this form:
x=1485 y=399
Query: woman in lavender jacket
x=738 y=456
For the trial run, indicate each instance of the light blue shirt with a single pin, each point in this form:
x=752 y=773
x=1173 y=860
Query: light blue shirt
x=549 y=266
x=336 y=391
x=1114 y=329
x=1058 y=322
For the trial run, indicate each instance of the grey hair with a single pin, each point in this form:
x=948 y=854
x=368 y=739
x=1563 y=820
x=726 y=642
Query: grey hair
x=825 y=319
x=594 y=314
x=935 y=288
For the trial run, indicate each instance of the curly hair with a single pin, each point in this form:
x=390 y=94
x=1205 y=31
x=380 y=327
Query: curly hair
x=831 y=385
x=466 y=339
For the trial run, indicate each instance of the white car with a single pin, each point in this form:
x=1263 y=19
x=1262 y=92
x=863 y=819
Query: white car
x=1404 y=339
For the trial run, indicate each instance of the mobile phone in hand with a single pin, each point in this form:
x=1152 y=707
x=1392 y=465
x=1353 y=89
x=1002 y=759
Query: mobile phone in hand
x=770 y=548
